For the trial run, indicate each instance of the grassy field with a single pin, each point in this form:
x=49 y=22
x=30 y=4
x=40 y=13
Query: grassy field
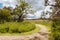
x=23 y=28
x=21 y=34
x=18 y=28
x=46 y=23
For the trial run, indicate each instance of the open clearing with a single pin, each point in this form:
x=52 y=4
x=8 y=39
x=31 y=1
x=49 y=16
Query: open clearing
x=41 y=35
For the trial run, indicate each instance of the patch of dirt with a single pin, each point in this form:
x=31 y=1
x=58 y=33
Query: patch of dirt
x=41 y=35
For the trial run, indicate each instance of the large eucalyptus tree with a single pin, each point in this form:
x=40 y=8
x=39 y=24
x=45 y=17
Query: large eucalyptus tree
x=20 y=9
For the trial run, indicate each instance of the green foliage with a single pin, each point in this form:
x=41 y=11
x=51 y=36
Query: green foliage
x=16 y=27
x=19 y=10
x=47 y=23
x=56 y=30
x=5 y=14
x=56 y=27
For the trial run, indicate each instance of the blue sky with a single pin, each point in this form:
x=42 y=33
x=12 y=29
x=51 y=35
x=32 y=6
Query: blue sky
x=7 y=3
x=1 y=5
x=37 y=4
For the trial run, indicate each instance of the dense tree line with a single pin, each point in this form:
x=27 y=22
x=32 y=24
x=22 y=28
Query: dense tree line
x=10 y=14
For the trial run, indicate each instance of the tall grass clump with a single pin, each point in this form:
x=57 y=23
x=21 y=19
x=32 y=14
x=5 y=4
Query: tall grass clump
x=16 y=27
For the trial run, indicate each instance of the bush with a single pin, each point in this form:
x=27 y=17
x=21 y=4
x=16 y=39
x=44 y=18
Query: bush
x=5 y=14
x=56 y=30
x=56 y=35
x=16 y=27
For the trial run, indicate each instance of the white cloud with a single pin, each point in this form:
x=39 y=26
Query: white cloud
x=7 y=3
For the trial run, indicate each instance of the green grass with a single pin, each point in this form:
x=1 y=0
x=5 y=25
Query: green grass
x=56 y=30
x=46 y=23
x=37 y=29
x=16 y=27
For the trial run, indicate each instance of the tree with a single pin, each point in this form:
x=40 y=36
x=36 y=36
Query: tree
x=19 y=10
x=15 y=14
x=5 y=14
x=56 y=21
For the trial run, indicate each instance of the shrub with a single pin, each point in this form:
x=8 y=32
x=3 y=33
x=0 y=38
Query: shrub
x=16 y=27
x=56 y=30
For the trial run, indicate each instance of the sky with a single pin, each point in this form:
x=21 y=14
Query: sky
x=36 y=4
x=8 y=3
x=1 y=5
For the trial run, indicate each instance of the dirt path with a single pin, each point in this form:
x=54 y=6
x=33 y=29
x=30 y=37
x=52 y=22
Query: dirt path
x=43 y=32
x=41 y=35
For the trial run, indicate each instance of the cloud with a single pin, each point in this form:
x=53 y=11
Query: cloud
x=37 y=4
x=7 y=3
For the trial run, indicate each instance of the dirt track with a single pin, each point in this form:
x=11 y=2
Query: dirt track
x=41 y=35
